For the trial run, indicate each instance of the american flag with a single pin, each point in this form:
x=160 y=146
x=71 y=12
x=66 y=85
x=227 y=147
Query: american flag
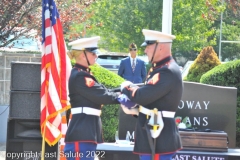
x=55 y=71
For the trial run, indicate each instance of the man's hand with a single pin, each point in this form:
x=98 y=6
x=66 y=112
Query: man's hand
x=125 y=84
x=133 y=111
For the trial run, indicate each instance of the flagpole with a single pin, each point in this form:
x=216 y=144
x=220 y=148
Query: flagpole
x=43 y=143
x=43 y=137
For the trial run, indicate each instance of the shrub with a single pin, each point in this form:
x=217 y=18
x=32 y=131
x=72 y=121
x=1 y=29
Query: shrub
x=205 y=61
x=109 y=112
x=226 y=75
x=106 y=77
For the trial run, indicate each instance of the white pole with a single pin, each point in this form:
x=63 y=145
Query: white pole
x=167 y=16
x=220 y=38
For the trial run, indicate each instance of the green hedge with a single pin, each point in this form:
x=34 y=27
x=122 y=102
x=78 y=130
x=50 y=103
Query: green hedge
x=109 y=112
x=227 y=74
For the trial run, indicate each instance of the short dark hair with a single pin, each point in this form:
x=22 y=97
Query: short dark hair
x=132 y=45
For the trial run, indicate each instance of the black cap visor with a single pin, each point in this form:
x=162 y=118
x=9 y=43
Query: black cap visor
x=93 y=50
x=145 y=43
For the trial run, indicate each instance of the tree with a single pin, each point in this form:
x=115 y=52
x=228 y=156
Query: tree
x=230 y=51
x=234 y=5
x=205 y=61
x=19 y=18
x=194 y=26
x=14 y=17
x=230 y=30
x=123 y=20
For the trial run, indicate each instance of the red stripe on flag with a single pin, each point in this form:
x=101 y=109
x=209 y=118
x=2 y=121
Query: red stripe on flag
x=48 y=40
x=47 y=23
x=55 y=75
x=63 y=88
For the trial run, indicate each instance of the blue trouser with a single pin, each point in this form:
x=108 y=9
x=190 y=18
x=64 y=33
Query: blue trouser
x=80 y=151
x=157 y=157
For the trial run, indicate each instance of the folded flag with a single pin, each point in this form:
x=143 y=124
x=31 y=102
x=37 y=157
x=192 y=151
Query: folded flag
x=124 y=100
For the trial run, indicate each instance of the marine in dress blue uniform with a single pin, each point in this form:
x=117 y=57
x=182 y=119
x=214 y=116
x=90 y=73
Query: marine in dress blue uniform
x=162 y=90
x=126 y=70
x=87 y=96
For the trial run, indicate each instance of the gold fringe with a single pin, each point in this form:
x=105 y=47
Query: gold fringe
x=44 y=129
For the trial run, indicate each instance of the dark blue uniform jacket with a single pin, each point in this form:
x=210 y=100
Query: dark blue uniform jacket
x=85 y=91
x=163 y=90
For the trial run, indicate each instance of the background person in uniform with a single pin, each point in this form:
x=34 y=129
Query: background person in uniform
x=132 y=68
x=162 y=90
x=86 y=97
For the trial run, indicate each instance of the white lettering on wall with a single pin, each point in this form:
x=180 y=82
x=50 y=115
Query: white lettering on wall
x=181 y=105
x=188 y=121
x=193 y=105
x=181 y=157
x=196 y=121
x=198 y=105
x=197 y=157
x=190 y=104
x=205 y=121
x=206 y=104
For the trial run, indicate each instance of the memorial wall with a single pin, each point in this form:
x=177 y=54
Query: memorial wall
x=203 y=107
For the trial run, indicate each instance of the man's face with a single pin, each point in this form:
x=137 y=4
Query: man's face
x=149 y=51
x=133 y=52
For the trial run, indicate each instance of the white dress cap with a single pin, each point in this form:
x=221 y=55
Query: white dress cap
x=85 y=43
x=151 y=35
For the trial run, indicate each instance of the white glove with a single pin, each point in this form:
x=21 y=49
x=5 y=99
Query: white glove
x=133 y=111
x=125 y=83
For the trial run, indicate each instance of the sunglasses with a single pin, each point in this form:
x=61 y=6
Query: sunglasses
x=91 y=49
x=150 y=42
x=132 y=49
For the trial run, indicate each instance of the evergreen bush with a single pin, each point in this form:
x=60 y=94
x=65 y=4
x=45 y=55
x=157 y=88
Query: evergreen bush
x=205 y=61
x=109 y=112
x=226 y=74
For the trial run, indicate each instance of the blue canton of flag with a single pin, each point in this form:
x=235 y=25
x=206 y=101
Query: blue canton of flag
x=49 y=11
x=124 y=100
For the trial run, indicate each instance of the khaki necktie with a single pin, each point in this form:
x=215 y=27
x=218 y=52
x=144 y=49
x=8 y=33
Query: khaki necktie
x=133 y=65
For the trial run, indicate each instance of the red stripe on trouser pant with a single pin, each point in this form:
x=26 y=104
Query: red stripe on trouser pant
x=77 y=151
x=157 y=157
